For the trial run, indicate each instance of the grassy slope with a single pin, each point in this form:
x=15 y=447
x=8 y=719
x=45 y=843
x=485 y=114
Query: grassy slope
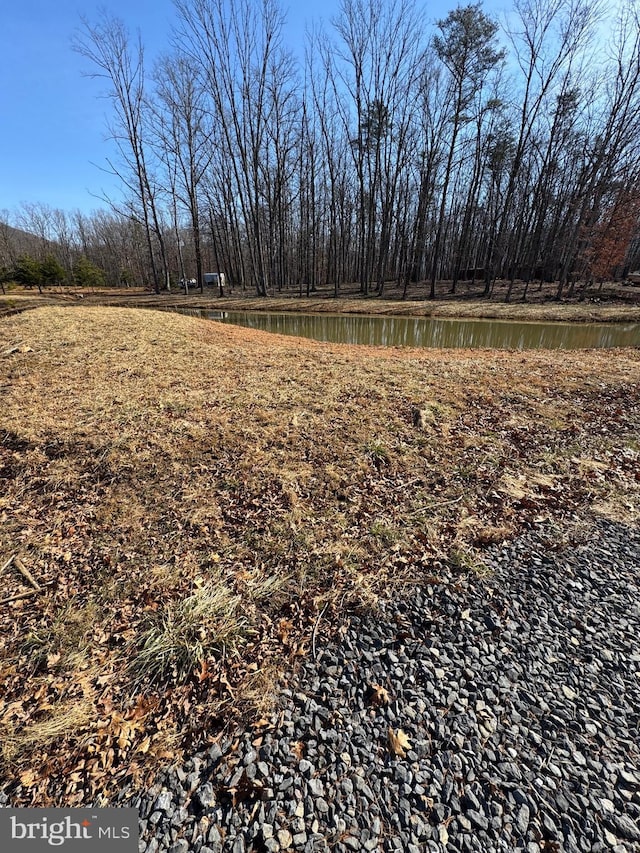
x=192 y=496
x=574 y=312
x=618 y=304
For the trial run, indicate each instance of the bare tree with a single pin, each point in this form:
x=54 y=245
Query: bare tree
x=547 y=37
x=334 y=159
x=106 y=44
x=466 y=45
x=612 y=162
x=372 y=71
x=184 y=133
x=248 y=78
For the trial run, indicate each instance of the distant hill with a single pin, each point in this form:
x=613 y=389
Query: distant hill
x=15 y=242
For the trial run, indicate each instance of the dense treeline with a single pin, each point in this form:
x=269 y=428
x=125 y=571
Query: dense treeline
x=397 y=150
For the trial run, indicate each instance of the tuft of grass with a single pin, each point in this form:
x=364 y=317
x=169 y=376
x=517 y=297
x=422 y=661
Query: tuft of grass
x=260 y=691
x=187 y=632
x=378 y=453
x=387 y=533
x=64 y=641
x=463 y=559
x=63 y=718
x=270 y=590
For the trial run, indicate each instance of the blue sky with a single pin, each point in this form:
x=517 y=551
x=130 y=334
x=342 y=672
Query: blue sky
x=52 y=118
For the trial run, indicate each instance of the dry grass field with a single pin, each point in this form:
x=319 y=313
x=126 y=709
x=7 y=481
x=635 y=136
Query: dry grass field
x=187 y=507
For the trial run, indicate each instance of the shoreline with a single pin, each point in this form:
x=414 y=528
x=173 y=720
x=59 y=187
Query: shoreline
x=450 y=309
x=547 y=311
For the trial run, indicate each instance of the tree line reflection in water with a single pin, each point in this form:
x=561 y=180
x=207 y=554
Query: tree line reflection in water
x=435 y=332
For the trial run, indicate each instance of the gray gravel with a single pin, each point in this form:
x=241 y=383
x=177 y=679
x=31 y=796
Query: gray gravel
x=519 y=694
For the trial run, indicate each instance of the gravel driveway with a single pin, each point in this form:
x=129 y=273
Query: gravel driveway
x=519 y=698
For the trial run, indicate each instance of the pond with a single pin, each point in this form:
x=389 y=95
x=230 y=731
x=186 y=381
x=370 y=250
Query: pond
x=435 y=332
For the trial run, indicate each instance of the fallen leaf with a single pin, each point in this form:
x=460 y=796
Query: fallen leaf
x=378 y=695
x=204 y=671
x=28 y=778
x=297 y=748
x=398 y=742
x=284 y=629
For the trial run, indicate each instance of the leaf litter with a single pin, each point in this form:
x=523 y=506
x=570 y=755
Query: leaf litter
x=196 y=507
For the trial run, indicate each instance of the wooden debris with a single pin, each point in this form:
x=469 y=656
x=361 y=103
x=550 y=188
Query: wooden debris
x=7 y=564
x=26 y=594
x=27 y=574
x=20 y=347
x=315 y=631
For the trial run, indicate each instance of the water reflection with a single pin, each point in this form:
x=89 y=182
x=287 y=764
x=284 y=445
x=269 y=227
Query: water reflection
x=435 y=332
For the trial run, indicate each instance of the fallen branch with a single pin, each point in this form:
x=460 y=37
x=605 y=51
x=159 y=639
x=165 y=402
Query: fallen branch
x=27 y=574
x=27 y=594
x=315 y=631
x=435 y=504
x=21 y=347
x=7 y=564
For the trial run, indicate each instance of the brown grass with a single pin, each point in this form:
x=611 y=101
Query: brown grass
x=573 y=312
x=616 y=303
x=548 y=311
x=154 y=466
